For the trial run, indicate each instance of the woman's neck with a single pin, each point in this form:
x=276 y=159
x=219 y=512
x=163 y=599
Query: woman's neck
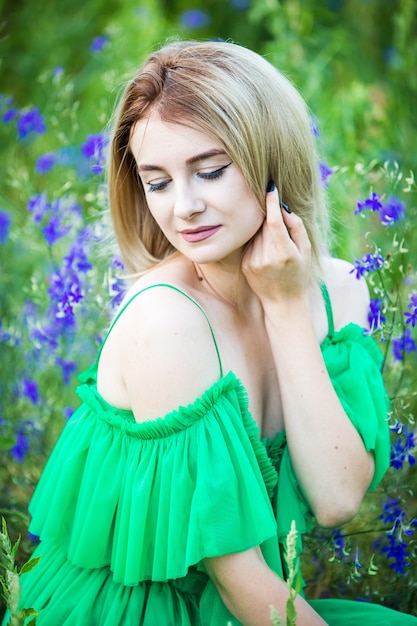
x=225 y=282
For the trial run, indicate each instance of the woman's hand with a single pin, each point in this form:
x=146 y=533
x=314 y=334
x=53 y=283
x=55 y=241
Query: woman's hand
x=277 y=263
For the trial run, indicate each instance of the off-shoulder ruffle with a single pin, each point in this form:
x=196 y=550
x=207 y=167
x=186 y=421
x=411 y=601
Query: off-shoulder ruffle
x=357 y=334
x=150 y=500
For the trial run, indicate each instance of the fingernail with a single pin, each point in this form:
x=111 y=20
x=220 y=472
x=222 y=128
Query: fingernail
x=271 y=186
x=286 y=207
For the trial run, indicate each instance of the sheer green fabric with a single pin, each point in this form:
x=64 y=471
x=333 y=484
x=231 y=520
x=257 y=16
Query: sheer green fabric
x=126 y=512
x=151 y=500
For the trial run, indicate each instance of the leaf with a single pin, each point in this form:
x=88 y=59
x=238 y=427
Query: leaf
x=291 y=613
x=15 y=547
x=298 y=583
x=27 y=567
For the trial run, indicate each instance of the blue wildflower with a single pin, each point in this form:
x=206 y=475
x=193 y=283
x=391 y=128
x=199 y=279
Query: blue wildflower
x=195 y=18
x=30 y=390
x=402 y=345
x=68 y=369
x=58 y=71
x=401 y=450
x=339 y=543
x=398 y=551
x=411 y=316
x=372 y=203
x=325 y=172
x=62 y=213
x=9 y=112
x=397 y=427
x=68 y=411
x=45 y=163
x=392 y=512
x=38 y=205
x=396 y=548
x=30 y=122
x=392 y=211
x=117 y=285
x=93 y=145
x=5 y=222
x=94 y=150
x=375 y=316
x=20 y=448
x=359 y=268
x=45 y=336
x=98 y=43
x=117 y=263
x=10 y=115
x=117 y=291
x=66 y=288
x=369 y=263
x=77 y=256
x=54 y=230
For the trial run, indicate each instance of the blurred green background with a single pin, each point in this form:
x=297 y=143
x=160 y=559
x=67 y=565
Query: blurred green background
x=354 y=61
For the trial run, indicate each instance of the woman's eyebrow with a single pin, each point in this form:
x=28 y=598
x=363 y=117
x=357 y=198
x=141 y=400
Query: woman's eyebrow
x=144 y=167
x=205 y=155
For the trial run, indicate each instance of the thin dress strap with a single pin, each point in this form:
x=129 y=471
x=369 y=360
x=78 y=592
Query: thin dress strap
x=179 y=291
x=329 y=310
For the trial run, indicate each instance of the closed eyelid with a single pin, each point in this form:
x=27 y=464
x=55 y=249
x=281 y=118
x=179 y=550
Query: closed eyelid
x=214 y=169
x=157 y=185
x=207 y=170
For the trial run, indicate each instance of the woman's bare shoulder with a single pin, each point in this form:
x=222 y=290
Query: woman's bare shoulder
x=348 y=294
x=169 y=354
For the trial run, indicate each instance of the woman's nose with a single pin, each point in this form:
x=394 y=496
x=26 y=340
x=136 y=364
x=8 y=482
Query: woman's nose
x=188 y=202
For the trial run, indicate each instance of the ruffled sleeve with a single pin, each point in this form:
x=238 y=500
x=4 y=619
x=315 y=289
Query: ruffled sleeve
x=152 y=500
x=354 y=363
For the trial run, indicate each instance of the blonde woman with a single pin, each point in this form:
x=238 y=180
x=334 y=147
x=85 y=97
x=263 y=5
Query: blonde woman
x=235 y=391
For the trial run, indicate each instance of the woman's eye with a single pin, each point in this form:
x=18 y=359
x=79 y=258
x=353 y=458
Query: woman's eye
x=215 y=173
x=157 y=186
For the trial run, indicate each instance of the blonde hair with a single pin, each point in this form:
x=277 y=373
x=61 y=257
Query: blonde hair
x=241 y=101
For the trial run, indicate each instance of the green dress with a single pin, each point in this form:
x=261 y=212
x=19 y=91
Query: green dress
x=127 y=511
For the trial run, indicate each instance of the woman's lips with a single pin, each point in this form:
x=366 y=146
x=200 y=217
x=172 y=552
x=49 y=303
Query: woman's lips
x=192 y=235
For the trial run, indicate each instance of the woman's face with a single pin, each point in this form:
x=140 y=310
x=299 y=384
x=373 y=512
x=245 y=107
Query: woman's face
x=195 y=192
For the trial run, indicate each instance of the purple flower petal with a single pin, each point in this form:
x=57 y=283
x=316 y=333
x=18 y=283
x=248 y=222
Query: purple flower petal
x=30 y=122
x=45 y=163
x=98 y=43
x=195 y=18
x=5 y=223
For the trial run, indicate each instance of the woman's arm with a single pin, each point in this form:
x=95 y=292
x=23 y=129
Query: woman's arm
x=328 y=455
x=249 y=588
